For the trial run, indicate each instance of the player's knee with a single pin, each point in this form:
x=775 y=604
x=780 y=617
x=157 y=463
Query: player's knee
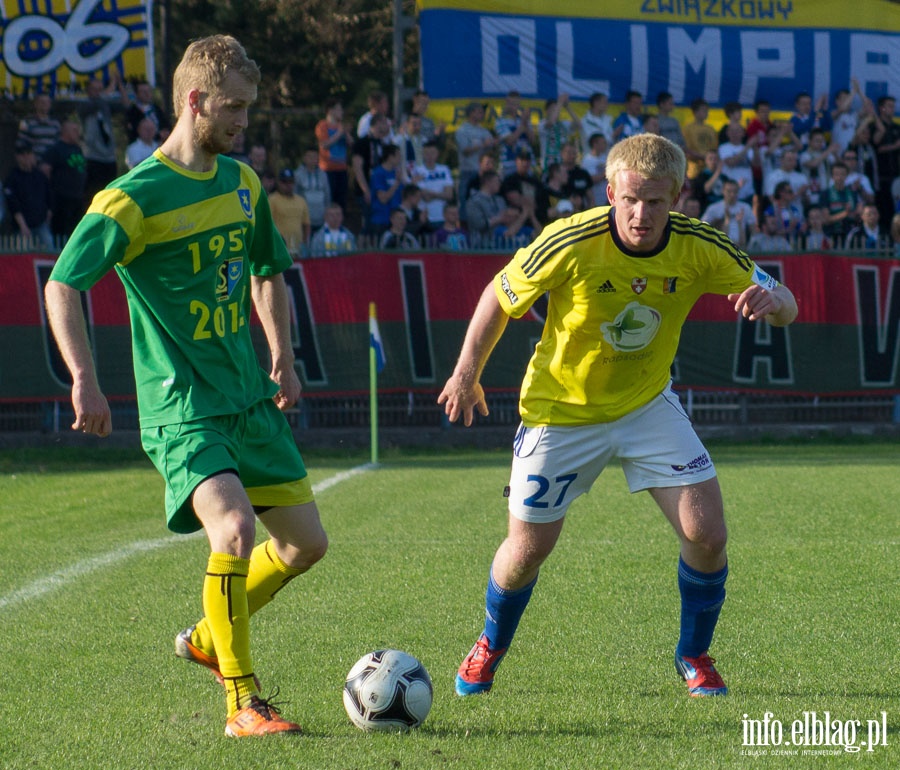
x=529 y=554
x=318 y=548
x=711 y=541
x=302 y=555
x=233 y=532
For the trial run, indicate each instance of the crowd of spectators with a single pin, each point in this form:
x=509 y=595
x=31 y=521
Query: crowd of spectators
x=826 y=177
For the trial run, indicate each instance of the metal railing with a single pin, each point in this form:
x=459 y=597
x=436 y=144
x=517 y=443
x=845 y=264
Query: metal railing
x=429 y=242
x=18 y=244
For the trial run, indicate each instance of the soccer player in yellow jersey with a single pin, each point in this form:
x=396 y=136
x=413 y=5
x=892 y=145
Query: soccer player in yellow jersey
x=621 y=281
x=190 y=233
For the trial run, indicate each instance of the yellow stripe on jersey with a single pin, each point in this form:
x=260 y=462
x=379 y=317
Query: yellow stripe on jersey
x=119 y=206
x=203 y=216
x=183 y=221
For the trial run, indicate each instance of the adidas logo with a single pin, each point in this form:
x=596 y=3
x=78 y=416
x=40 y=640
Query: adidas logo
x=606 y=288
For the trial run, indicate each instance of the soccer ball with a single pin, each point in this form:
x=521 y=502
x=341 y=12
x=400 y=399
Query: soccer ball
x=387 y=690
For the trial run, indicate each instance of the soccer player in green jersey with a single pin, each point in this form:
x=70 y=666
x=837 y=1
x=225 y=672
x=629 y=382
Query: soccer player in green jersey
x=621 y=280
x=190 y=234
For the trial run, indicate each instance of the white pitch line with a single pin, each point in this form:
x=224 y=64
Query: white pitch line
x=64 y=576
x=342 y=476
x=68 y=575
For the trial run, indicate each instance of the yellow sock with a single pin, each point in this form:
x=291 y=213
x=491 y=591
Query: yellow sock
x=227 y=616
x=266 y=576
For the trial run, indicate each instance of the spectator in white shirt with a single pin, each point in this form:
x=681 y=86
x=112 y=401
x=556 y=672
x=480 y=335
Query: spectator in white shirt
x=332 y=238
x=815 y=162
x=786 y=172
x=738 y=158
x=732 y=216
x=596 y=121
x=435 y=180
x=856 y=180
x=144 y=146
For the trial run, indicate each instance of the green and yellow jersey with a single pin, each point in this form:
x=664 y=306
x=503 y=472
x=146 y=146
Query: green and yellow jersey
x=614 y=316
x=184 y=245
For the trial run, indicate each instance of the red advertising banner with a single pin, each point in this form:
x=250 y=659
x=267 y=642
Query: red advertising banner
x=845 y=340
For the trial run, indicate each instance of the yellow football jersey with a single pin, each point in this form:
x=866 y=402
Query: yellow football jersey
x=614 y=316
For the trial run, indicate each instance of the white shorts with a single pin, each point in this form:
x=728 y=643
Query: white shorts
x=552 y=465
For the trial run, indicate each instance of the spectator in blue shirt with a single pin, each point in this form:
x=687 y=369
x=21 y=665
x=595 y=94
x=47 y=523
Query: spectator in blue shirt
x=387 y=188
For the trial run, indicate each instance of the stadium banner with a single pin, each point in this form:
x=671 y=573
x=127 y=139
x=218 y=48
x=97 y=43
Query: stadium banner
x=54 y=46
x=845 y=341
x=720 y=50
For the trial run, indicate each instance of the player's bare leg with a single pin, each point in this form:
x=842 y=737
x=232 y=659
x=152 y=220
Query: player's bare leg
x=519 y=557
x=696 y=513
x=222 y=506
x=513 y=574
x=297 y=534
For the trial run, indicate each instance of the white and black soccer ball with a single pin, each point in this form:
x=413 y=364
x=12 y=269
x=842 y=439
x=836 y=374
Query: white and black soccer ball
x=388 y=690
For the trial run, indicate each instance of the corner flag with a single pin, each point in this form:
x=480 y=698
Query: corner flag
x=375 y=340
x=376 y=364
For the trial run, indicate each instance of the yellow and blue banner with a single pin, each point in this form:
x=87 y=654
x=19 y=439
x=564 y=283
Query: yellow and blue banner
x=54 y=46
x=720 y=50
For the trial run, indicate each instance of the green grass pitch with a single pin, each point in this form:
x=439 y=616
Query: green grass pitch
x=93 y=590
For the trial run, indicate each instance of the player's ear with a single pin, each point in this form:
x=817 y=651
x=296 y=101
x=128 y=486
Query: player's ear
x=194 y=100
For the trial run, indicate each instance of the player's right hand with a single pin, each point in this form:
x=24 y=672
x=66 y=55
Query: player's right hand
x=462 y=401
x=92 y=414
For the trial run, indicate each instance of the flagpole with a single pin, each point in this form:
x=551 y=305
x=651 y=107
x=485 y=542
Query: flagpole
x=373 y=393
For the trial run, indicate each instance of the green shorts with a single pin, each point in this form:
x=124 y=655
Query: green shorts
x=256 y=444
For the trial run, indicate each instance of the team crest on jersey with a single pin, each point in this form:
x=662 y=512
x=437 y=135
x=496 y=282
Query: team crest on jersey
x=230 y=273
x=244 y=198
x=638 y=285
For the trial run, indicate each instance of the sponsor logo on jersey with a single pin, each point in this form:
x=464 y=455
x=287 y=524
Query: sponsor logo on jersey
x=183 y=226
x=606 y=288
x=244 y=197
x=638 y=285
x=697 y=464
x=634 y=328
x=669 y=285
x=504 y=283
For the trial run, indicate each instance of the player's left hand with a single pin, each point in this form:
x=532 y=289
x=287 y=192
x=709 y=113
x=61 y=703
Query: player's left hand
x=288 y=384
x=755 y=303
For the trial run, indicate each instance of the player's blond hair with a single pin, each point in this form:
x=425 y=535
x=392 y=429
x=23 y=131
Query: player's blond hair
x=650 y=155
x=205 y=64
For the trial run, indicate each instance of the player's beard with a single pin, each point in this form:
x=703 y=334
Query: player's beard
x=211 y=139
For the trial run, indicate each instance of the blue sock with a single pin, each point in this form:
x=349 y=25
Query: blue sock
x=503 y=610
x=702 y=597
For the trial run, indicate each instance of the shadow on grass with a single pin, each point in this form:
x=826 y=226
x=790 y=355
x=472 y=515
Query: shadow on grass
x=69 y=459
